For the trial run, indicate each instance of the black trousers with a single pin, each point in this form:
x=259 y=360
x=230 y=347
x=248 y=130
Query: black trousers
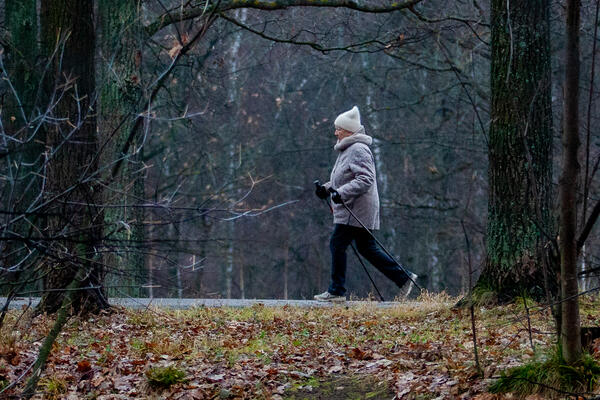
x=342 y=237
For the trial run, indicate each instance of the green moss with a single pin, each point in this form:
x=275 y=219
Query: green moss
x=483 y=294
x=165 y=377
x=4 y=382
x=509 y=242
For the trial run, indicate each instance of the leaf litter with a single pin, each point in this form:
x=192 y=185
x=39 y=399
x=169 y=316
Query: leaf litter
x=420 y=349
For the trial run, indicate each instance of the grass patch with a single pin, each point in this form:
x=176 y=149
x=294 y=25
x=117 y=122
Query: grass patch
x=551 y=377
x=141 y=319
x=163 y=346
x=53 y=387
x=165 y=377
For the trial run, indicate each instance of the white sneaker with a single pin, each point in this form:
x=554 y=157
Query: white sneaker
x=408 y=285
x=326 y=296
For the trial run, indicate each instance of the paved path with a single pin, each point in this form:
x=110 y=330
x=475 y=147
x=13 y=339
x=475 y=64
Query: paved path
x=181 y=304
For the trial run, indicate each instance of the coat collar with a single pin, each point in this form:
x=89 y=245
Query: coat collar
x=350 y=140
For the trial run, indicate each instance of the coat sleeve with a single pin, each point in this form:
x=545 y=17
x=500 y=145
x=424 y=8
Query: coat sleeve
x=362 y=167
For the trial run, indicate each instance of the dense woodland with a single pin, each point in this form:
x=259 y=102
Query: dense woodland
x=265 y=132
x=217 y=198
x=212 y=127
x=169 y=149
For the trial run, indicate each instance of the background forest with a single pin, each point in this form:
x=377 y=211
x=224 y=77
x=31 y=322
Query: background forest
x=231 y=120
x=169 y=149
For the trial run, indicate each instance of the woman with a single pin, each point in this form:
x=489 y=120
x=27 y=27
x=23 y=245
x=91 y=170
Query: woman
x=353 y=182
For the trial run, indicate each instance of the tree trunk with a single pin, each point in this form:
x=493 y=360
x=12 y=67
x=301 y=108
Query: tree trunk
x=21 y=22
x=520 y=146
x=286 y=263
x=120 y=94
x=24 y=159
x=233 y=98
x=72 y=145
x=568 y=188
x=229 y=261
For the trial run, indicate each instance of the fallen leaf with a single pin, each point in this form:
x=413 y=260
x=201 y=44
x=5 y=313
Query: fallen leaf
x=215 y=378
x=84 y=366
x=335 y=369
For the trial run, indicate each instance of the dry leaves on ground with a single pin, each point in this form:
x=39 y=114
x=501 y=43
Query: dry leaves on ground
x=416 y=348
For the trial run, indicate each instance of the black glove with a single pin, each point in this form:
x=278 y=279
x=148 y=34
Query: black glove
x=335 y=196
x=321 y=192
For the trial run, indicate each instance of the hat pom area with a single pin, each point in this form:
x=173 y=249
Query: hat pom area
x=349 y=120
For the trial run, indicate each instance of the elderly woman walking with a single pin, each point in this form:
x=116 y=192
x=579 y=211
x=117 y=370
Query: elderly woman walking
x=353 y=184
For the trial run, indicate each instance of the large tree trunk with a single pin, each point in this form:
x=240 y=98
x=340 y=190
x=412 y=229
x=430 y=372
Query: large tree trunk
x=120 y=93
x=520 y=145
x=73 y=195
x=21 y=22
x=571 y=330
x=24 y=159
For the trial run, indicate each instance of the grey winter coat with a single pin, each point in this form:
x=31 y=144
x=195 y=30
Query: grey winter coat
x=353 y=176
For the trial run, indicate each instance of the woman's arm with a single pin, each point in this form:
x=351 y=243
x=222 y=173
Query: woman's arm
x=362 y=166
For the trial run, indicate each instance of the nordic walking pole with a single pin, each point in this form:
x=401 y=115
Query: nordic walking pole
x=331 y=190
x=317 y=183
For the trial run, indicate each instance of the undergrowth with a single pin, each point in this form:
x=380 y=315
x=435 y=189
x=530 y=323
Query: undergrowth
x=54 y=388
x=422 y=348
x=165 y=377
x=549 y=376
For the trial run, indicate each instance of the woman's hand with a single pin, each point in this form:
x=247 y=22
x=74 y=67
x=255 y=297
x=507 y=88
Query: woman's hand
x=321 y=192
x=335 y=196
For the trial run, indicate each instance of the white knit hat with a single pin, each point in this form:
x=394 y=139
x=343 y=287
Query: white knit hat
x=349 y=120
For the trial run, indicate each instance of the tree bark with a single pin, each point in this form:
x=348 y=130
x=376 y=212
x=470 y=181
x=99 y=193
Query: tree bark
x=72 y=147
x=520 y=150
x=568 y=187
x=24 y=160
x=120 y=95
x=21 y=22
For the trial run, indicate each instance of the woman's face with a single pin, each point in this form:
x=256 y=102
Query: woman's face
x=341 y=133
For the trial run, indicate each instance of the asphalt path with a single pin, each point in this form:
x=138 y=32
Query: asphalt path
x=182 y=304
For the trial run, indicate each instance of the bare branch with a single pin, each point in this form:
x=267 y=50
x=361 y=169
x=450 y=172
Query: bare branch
x=349 y=48
x=204 y=8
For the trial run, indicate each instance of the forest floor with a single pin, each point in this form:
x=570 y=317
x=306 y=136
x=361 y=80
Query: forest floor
x=415 y=350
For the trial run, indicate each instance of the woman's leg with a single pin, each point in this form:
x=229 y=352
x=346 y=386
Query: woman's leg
x=367 y=246
x=340 y=240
